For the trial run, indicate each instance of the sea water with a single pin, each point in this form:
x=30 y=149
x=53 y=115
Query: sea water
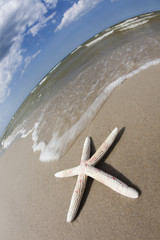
x=66 y=100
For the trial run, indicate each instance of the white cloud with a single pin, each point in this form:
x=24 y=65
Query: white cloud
x=15 y=18
x=41 y=24
x=51 y=3
x=28 y=60
x=76 y=11
x=8 y=66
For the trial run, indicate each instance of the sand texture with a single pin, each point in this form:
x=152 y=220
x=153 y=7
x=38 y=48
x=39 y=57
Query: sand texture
x=34 y=204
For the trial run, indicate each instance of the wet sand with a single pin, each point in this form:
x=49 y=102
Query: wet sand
x=34 y=204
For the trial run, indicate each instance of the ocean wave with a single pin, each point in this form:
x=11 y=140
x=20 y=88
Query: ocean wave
x=76 y=49
x=126 y=25
x=34 y=90
x=58 y=145
x=133 y=22
x=43 y=80
x=19 y=131
x=133 y=25
x=99 y=38
x=55 y=67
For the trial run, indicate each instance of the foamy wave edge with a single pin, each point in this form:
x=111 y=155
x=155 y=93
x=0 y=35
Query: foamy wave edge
x=57 y=146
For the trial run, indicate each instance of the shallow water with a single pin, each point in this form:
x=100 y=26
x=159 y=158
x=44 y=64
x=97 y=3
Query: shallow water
x=69 y=96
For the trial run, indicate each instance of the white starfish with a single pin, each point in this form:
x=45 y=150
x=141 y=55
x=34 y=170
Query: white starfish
x=86 y=169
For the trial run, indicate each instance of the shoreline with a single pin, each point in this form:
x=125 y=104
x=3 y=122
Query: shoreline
x=91 y=111
x=34 y=204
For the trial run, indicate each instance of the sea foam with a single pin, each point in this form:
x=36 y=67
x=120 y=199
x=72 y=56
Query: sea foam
x=58 y=144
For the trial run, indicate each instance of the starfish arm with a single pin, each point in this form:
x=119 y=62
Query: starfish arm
x=86 y=150
x=80 y=185
x=67 y=173
x=76 y=197
x=103 y=148
x=111 y=182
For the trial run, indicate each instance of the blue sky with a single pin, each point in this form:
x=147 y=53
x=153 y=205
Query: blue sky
x=36 y=34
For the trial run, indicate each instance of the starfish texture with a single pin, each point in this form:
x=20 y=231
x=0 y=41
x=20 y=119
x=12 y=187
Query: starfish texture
x=86 y=168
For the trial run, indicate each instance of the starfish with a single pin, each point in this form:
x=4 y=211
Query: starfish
x=86 y=168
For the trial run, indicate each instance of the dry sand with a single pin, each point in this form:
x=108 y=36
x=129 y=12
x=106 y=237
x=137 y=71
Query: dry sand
x=34 y=204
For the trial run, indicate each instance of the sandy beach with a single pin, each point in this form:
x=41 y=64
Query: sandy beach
x=34 y=204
